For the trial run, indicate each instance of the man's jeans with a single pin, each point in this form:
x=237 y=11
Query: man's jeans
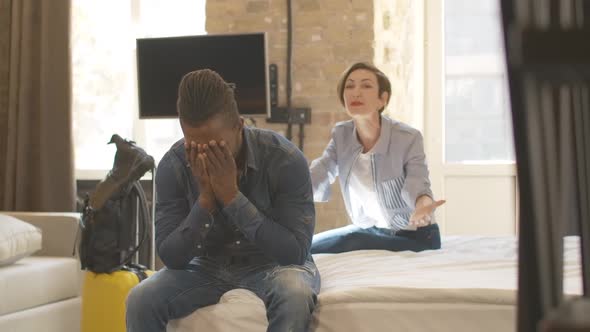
x=352 y=237
x=288 y=292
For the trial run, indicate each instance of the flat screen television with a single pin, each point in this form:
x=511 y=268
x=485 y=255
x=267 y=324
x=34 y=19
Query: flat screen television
x=239 y=58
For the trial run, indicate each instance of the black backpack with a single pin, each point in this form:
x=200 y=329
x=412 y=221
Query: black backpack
x=108 y=235
x=115 y=221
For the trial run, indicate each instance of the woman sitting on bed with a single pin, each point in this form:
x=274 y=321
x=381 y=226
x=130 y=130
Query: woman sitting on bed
x=382 y=170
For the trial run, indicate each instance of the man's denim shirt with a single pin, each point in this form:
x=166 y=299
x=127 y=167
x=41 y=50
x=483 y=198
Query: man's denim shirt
x=272 y=215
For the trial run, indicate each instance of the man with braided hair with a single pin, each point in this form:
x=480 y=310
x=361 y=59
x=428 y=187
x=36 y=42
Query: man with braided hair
x=234 y=210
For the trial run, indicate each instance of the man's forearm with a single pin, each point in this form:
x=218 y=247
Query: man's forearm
x=185 y=241
x=276 y=240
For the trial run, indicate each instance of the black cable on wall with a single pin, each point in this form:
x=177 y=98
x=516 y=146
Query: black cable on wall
x=289 y=74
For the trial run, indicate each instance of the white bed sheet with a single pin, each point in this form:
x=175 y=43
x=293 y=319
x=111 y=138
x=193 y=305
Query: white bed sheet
x=470 y=284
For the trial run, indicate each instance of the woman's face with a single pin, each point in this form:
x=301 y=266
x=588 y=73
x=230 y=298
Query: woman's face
x=361 y=93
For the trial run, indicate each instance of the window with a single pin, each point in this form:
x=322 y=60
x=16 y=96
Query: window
x=478 y=124
x=468 y=134
x=104 y=75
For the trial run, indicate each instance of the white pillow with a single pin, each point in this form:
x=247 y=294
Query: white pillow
x=18 y=239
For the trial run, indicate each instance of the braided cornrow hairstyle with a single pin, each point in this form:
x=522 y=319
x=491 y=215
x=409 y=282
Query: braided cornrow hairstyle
x=203 y=94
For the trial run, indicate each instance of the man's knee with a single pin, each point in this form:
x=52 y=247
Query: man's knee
x=142 y=299
x=291 y=286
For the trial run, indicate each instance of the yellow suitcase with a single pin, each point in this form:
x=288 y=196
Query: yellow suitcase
x=104 y=296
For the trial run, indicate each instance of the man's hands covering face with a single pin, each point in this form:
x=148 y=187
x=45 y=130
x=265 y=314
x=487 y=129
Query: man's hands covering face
x=221 y=169
x=199 y=171
x=214 y=169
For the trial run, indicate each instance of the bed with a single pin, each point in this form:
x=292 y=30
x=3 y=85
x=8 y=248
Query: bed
x=468 y=285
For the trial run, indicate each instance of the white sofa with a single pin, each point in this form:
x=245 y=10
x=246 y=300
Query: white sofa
x=42 y=292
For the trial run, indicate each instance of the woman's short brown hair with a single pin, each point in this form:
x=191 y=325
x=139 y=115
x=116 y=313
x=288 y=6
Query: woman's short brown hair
x=382 y=81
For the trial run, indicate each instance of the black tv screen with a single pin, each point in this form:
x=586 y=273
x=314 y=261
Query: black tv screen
x=239 y=58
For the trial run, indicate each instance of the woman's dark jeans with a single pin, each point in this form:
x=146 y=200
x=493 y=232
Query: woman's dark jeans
x=352 y=237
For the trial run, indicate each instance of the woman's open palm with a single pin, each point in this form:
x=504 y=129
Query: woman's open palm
x=422 y=216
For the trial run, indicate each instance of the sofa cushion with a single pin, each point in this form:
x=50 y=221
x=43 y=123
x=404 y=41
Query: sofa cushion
x=18 y=239
x=62 y=316
x=35 y=281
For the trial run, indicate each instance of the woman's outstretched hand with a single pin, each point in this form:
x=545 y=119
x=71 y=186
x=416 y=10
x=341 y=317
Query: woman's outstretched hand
x=422 y=216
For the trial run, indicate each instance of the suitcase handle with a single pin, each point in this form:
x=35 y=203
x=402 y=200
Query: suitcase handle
x=137 y=269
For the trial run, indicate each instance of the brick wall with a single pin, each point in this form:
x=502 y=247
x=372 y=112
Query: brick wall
x=399 y=53
x=328 y=36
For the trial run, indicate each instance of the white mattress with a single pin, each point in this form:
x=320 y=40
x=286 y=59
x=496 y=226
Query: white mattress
x=470 y=284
